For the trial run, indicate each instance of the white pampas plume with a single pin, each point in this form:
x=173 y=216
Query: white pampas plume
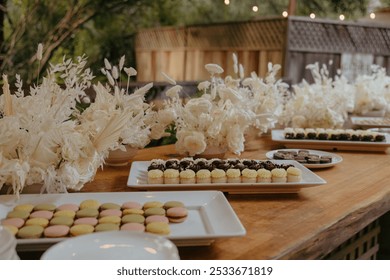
x=143 y=90
x=242 y=74
x=39 y=51
x=115 y=73
x=235 y=63
x=107 y=64
x=214 y=68
x=121 y=63
x=168 y=79
x=130 y=71
x=110 y=79
x=8 y=109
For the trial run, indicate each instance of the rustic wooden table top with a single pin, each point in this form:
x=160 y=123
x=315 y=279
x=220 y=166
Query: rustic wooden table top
x=307 y=225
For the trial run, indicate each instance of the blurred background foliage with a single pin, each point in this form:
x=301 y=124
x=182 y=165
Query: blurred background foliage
x=105 y=29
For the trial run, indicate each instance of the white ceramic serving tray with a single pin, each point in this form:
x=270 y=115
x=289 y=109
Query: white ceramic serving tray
x=210 y=215
x=370 y=122
x=336 y=159
x=278 y=136
x=138 y=180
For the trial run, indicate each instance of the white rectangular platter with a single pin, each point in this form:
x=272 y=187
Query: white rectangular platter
x=210 y=215
x=369 y=122
x=278 y=136
x=138 y=180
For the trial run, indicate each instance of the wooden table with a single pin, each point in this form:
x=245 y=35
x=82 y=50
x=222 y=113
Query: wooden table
x=307 y=225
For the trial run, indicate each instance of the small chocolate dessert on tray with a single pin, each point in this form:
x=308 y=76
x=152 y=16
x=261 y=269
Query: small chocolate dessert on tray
x=308 y=158
x=332 y=139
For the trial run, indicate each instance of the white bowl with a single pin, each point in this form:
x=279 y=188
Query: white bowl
x=113 y=245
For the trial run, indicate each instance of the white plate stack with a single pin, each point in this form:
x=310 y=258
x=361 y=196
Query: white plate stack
x=7 y=245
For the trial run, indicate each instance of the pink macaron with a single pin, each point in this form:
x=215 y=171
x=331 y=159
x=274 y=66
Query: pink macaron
x=131 y=205
x=156 y=218
x=56 y=231
x=111 y=212
x=86 y=221
x=42 y=214
x=177 y=214
x=68 y=206
x=16 y=222
x=133 y=227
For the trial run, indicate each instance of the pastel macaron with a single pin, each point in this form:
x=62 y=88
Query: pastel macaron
x=86 y=221
x=177 y=214
x=16 y=222
x=87 y=212
x=131 y=205
x=173 y=203
x=65 y=213
x=62 y=220
x=77 y=230
x=90 y=203
x=158 y=228
x=24 y=207
x=56 y=231
x=133 y=227
x=42 y=214
x=14 y=230
x=33 y=231
x=133 y=218
x=110 y=212
x=18 y=214
x=156 y=218
x=45 y=206
x=106 y=227
x=110 y=220
x=154 y=211
x=68 y=206
x=152 y=204
x=37 y=221
x=109 y=205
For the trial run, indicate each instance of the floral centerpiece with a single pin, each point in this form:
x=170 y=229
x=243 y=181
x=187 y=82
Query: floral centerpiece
x=46 y=139
x=218 y=119
x=324 y=103
x=372 y=92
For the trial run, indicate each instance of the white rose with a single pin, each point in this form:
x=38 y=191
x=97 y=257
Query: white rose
x=194 y=144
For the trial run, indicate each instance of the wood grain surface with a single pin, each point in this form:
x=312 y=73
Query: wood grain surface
x=307 y=225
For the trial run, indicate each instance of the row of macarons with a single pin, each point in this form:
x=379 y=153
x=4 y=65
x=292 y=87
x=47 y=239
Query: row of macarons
x=232 y=175
x=73 y=220
x=333 y=134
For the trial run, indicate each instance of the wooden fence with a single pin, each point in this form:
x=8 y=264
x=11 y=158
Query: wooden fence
x=293 y=42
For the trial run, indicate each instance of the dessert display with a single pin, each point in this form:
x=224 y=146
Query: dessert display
x=216 y=171
x=302 y=156
x=51 y=221
x=333 y=134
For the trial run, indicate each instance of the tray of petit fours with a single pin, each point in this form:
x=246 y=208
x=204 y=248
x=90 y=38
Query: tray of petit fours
x=332 y=139
x=187 y=218
x=226 y=175
x=308 y=158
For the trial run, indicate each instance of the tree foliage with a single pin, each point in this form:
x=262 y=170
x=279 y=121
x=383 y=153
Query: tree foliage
x=105 y=29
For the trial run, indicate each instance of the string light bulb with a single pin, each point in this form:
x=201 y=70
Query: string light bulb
x=285 y=14
x=255 y=8
x=227 y=2
x=341 y=17
x=312 y=15
x=372 y=15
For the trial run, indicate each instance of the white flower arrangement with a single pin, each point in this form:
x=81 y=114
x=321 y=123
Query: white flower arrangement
x=372 y=92
x=45 y=138
x=221 y=116
x=324 y=103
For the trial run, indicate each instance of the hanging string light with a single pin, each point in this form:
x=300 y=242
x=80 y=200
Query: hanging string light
x=372 y=15
x=341 y=17
x=227 y=2
x=312 y=15
x=285 y=14
x=255 y=8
